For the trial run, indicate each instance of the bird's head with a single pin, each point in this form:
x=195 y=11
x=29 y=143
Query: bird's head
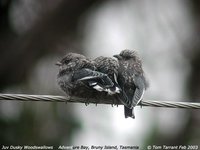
x=70 y=57
x=70 y=61
x=126 y=55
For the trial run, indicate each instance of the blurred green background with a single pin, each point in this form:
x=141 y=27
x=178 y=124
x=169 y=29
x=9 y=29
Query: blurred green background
x=35 y=34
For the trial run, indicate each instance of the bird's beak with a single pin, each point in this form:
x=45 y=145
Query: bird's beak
x=58 y=63
x=117 y=56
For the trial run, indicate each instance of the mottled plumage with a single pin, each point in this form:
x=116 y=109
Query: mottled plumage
x=70 y=66
x=104 y=77
x=77 y=76
x=109 y=66
x=131 y=80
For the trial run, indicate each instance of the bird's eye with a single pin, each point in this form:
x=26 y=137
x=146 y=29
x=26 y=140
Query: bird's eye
x=127 y=57
x=66 y=61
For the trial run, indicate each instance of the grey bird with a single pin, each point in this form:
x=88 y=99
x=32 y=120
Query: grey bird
x=109 y=66
x=77 y=76
x=131 y=79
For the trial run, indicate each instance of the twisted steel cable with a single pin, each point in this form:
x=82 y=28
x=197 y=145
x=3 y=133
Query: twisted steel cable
x=51 y=98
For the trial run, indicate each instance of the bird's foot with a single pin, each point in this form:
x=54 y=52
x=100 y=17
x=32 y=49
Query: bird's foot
x=97 y=101
x=86 y=103
x=140 y=103
x=67 y=99
x=113 y=103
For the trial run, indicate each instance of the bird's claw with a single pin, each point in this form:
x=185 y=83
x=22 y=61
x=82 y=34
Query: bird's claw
x=67 y=98
x=86 y=103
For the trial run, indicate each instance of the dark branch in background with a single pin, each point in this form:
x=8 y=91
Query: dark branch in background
x=51 y=98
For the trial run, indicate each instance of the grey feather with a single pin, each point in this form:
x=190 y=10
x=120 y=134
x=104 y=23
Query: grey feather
x=139 y=91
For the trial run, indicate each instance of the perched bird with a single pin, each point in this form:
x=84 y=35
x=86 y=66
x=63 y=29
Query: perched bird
x=104 y=77
x=77 y=77
x=109 y=66
x=131 y=80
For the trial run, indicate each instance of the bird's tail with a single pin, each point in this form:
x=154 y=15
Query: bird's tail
x=129 y=112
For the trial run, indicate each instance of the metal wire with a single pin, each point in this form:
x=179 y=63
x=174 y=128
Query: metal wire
x=51 y=98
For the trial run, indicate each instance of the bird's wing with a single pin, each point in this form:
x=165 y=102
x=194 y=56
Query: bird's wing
x=139 y=91
x=94 y=79
x=122 y=96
